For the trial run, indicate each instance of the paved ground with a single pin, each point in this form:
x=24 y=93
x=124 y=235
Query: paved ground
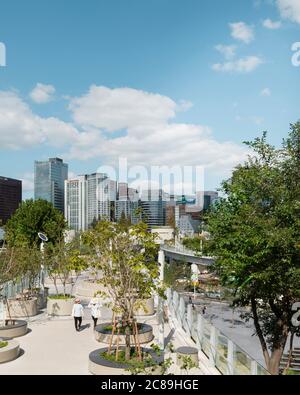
x=52 y=346
x=231 y=325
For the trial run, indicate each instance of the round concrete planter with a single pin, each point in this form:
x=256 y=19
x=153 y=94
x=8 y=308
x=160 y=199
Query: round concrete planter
x=87 y=289
x=102 y=335
x=16 y=330
x=9 y=352
x=101 y=366
x=146 y=307
x=60 y=307
x=21 y=308
x=190 y=352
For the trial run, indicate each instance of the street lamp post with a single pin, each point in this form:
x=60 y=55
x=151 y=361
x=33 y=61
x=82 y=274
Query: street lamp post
x=44 y=239
x=160 y=309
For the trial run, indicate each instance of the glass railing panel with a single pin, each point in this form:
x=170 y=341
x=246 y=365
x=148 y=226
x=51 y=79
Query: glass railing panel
x=206 y=347
x=222 y=353
x=261 y=371
x=242 y=362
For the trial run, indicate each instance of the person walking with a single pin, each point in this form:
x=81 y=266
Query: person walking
x=77 y=313
x=94 y=305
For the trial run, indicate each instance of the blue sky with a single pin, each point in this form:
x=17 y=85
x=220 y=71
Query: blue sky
x=161 y=82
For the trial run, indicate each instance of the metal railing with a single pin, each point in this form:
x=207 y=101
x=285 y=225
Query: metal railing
x=222 y=352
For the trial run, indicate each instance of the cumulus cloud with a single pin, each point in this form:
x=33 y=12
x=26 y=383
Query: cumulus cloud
x=242 y=32
x=242 y=65
x=113 y=123
x=42 y=93
x=227 y=50
x=273 y=25
x=121 y=108
x=21 y=128
x=289 y=9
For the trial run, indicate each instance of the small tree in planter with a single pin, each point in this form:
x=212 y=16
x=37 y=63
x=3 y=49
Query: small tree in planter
x=127 y=258
x=6 y=270
x=61 y=259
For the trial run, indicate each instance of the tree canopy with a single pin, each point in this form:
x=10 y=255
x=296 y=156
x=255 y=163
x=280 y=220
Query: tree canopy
x=255 y=235
x=31 y=217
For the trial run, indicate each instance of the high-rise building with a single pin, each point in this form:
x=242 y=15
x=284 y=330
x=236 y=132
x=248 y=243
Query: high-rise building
x=127 y=203
x=89 y=198
x=153 y=207
x=75 y=203
x=49 y=178
x=10 y=198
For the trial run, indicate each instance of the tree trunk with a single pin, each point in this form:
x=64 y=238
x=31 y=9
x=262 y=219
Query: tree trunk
x=127 y=342
x=274 y=362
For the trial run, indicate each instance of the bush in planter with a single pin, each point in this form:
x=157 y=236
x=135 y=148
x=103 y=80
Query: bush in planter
x=126 y=256
x=3 y=344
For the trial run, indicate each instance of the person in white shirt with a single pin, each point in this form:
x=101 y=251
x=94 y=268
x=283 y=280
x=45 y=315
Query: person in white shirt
x=77 y=313
x=95 y=305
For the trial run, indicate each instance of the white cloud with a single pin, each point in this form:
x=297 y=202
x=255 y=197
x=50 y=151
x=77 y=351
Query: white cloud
x=121 y=108
x=273 y=25
x=142 y=125
x=242 y=32
x=289 y=9
x=227 y=50
x=151 y=135
x=21 y=128
x=242 y=65
x=42 y=93
x=266 y=92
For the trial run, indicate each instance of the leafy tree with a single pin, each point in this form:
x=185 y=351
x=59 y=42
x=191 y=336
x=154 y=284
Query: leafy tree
x=60 y=260
x=31 y=217
x=255 y=233
x=126 y=257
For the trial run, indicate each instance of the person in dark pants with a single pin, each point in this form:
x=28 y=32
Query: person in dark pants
x=94 y=305
x=77 y=313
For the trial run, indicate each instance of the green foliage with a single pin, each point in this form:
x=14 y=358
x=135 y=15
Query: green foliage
x=187 y=363
x=61 y=296
x=255 y=233
x=61 y=259
x=127 y=258
x=3 y=344
x=175 y=271
x=33 y=217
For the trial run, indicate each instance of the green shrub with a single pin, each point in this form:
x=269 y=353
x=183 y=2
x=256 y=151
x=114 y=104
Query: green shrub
x=61 y=296
x=3 y=344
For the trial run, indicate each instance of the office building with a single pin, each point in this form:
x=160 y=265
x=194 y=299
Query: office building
x=89 y=198
x=10 y=198
x=75 y=203
x=153 y=207
x=49 y=178
x=127 y=203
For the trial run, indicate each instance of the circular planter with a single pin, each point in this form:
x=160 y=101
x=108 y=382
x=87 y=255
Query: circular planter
x=9 y=352
x=146 y=307
x=87 y=289
x=60 y=307
x=21 y=308
x=101 y=366
x=103 y=335
x=16 y=330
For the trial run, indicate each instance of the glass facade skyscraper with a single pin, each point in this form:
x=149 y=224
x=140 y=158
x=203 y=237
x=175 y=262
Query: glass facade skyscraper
x=49 y=180
x=153 y=206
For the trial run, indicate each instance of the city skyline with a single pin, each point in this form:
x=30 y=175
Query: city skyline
x=159 y=83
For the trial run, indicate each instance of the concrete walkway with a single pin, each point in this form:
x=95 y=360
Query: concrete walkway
x=53 y=347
